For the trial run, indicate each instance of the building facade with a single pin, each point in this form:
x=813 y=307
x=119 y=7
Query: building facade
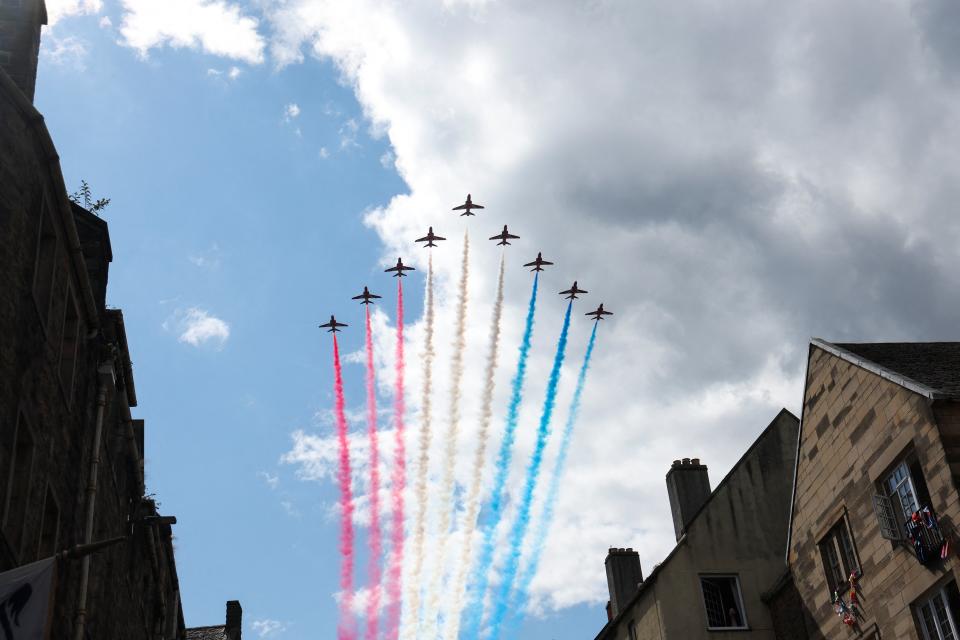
x=872 y=547
x=71 y=453
x=729 y=551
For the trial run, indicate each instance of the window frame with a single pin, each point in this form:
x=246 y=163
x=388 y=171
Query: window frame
x=888 y=505
x=45 y=262
x=19 y=538
x=929 y=601
x=847 y=562
x=70 y=309
x=738 y=593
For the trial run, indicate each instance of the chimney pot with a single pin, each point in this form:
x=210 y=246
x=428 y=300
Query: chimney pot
x=234 y=622
x=688 y=487
x=676 y=463
x=623 y=577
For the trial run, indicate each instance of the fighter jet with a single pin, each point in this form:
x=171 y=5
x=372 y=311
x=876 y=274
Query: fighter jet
x=599 y=313
x=366 y=296
x=538 y=264
x=332 y=325
x=399 y=269
x=572 y=292
x=504 y=237
x=429 y=238
x=467 y=207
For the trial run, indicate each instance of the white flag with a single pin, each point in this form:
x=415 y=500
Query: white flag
x=25 y=595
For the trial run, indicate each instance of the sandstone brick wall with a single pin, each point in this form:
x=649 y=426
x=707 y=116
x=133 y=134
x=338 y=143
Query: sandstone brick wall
x=855 y=426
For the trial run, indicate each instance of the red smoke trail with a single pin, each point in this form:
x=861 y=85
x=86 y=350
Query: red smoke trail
x=345 y=627
x=375 y=542
x=398 y=481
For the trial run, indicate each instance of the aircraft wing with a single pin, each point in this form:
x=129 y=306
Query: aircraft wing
x=511 y=236
x=425 y=239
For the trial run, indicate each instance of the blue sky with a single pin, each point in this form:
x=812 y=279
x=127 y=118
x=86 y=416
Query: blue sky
x=728 y=181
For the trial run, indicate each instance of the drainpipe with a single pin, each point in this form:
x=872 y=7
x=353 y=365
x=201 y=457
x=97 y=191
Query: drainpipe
x=106 y=375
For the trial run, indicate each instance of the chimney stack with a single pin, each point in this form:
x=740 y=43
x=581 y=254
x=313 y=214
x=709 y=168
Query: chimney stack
x=623 y=578
x=688 y=487
x=20 y=24
x=234 y=625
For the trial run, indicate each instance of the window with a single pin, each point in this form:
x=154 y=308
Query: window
x=903 y=493
x=18 y=486
x=68 y=345
x=632 y=630
x=838 y=555
x=937 y=615
x=46 y=261
x=723 y=602
x=49 y=526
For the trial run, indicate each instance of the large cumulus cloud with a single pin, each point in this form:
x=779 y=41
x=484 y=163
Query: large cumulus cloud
x=729 y=177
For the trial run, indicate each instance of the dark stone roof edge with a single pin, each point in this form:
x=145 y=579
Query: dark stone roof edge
x=883 y=372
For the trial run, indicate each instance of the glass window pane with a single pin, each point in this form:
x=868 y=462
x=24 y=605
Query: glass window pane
x=929 y=627
x=846 y=546
x=943 y=622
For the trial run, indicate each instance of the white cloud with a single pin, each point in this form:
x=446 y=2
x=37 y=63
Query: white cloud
x=198 y=327
x=210 y=258
x=323 y=153
x=272 y=480
x=728 y=182
x=267 y=628
x=106 y=22
x=234 y=73
x=387 y=160
x=67 y=51
x=59 y=9
x=291 y=111
x=215 y=27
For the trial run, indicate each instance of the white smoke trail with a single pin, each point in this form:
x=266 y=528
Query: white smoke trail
x=473 y=497
x=450 y=454
x=411 y=627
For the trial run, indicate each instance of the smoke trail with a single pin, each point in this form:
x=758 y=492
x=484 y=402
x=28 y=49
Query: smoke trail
x=453 y=430
x=398 y=482
x=411 y=628
x=375 y=542
x=522 y=593
x=522 y=521
x=473 y=498
x=345 y=626
x=474 y=610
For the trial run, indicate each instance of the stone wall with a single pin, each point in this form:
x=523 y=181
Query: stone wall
x=856 y=427
x=48 y=409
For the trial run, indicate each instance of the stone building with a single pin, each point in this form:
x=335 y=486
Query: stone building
x=231 y=628
x=729 y=551
x=875 y=495
x=71 y=454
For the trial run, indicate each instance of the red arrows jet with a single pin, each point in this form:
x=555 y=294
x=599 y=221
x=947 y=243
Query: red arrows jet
x=537 y=264
x=366 y=296
x=429 y=238
x=599 y=313
x=332 y=325
x=467 y=207
x=399 y=269
x=572 y=292
x=504 y=237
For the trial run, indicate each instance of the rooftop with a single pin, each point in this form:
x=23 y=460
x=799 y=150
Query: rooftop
x=934 y=367
x=207 y=633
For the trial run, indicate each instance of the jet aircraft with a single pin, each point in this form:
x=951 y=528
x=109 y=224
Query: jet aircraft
x=538 y=264
x=467 y=207
x=399 y=269
x=599 y=313
x=366 y=296
x=572 y=292
x=504 y=237
x=429 y=238
x=332 y=325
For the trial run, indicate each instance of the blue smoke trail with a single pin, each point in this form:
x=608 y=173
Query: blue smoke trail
x=522 y=593
x=522 y=522
x=473 y=613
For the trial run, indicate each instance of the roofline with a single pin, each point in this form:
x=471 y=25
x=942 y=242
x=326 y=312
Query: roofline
x=796 y=458
x=883 y=372
x=683 y=538
x=34 y=121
